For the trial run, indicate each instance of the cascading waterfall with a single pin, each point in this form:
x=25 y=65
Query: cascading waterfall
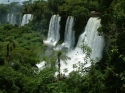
x=69 y=39
x=90 y=38
x=94 y=41
x=26 y=19
x=11 y=18
x=69 y=36
x=53 y=33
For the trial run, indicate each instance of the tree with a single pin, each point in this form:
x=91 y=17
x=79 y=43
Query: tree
x=10 y=46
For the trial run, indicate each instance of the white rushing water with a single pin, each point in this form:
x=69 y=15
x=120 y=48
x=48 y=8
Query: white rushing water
x=69 y=36
x=69 y=39
x=53 y=33
x=90 y=38
x=26 y=19
x=11 y=18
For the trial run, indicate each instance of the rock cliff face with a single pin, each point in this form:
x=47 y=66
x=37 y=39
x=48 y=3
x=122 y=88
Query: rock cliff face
x=3 y=18
x=95 y=13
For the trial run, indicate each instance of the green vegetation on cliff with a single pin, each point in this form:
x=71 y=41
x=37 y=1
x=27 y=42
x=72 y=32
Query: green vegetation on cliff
x=21 y=48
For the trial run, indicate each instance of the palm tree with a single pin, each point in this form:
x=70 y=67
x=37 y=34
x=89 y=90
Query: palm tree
x=54 y=59
x=61 y=56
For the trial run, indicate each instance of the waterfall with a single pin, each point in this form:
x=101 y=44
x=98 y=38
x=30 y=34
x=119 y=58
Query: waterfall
x=69 y=39
x=14 y=19
x=26 y=19
x=90 y=38
x=11 y=18
x=53 y=33
x=94 y=41
x=69 y=36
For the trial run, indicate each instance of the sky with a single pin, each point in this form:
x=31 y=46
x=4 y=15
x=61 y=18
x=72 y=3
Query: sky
x=6 y=1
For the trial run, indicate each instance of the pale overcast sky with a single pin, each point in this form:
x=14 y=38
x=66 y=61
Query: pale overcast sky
x=6 y=1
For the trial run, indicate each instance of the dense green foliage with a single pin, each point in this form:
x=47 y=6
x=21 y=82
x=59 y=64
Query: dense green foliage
x=21 y=48
x=113 y=26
